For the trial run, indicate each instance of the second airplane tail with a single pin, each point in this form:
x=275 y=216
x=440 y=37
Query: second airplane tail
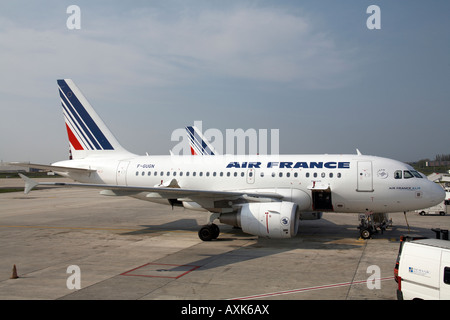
x=88 y=135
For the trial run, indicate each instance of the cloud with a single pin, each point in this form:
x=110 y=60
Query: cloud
x=147 y=48
x=249 y=43
x=150 y=49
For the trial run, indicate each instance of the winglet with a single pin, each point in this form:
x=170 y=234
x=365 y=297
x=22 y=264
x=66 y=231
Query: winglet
x=29 y=183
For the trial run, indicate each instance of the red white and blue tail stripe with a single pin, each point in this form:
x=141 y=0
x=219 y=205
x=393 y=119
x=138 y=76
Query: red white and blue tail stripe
x=198 y=143
x=86 y=131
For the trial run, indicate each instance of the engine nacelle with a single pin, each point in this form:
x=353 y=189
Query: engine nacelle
x=311 y=215
x=266 y=219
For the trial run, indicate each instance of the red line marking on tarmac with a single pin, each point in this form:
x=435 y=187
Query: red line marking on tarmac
x=328 y=286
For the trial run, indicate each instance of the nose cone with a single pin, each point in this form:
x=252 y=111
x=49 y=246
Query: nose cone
x=436 y=193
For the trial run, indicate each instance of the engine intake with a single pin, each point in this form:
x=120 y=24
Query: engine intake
x=266 y=219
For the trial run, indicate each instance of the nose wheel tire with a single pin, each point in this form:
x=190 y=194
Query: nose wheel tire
x=365 y=233
x=209 y=232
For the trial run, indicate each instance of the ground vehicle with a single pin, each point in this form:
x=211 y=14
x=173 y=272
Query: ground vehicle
x=403 y=239
x=440 y=209
x=424 y=270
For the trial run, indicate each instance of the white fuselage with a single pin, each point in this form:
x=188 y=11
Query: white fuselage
x=341 y=183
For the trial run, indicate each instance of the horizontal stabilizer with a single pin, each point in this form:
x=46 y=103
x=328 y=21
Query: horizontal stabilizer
x=29 y=183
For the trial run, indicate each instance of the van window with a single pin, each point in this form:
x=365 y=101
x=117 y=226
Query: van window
x=447 y=275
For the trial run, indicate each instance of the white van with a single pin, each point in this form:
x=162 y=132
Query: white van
x=440 y=209
x=424 y=270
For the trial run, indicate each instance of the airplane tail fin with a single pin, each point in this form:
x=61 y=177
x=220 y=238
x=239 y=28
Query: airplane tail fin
x=198 y=143
x=88 y=135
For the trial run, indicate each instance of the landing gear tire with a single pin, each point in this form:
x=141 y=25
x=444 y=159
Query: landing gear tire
x=365 y=234
x=209 y=232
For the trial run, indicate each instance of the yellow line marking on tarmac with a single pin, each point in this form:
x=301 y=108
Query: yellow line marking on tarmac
x=70 y=228
x=96 y=229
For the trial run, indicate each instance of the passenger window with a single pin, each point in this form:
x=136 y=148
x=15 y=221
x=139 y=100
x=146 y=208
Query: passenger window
x=174 y=173
x=207 y=174
x=143 y=173
x=447 y=275
x=200 y=173
x=273 y=174
x=228 y=174
x=339 y=175
x=407 y=174
x=323 y=175
x=331 y=174
x=235 y=174
x=194 y=174
x=137 y=173
x=295 y=174
x=242 y=174
x=262 y=174
x=187 y=173
x=398 y=174
x=307 y=174
x=280 y=174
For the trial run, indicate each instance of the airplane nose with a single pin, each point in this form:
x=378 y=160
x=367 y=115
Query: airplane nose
x=437 y=193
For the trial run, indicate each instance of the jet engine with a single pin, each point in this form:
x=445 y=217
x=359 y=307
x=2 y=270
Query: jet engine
x=265 y=219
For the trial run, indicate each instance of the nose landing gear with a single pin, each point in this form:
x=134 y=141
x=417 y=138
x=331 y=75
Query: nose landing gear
x=371 y=222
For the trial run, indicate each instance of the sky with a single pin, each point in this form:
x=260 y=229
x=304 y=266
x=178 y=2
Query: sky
x=311 y=69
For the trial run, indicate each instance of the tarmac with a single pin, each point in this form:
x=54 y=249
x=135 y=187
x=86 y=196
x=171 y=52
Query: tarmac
x=75 y=244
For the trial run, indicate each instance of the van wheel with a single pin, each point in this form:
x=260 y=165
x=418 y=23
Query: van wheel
x=422 y=213
x=442 y=213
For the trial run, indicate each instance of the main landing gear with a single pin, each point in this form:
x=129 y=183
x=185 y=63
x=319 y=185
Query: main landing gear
x=209 y=232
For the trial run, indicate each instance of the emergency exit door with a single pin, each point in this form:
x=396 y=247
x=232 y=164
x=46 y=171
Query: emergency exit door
x=365 y=176
x=121 y=177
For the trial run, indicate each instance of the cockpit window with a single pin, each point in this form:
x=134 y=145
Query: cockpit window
x=407 y=174
x=416 y=174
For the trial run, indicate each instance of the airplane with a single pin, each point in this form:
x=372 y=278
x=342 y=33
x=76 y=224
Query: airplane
x=264 y=195
x=198 y=143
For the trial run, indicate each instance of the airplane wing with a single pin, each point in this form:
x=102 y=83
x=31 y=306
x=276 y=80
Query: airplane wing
x=51 y=168
x=205 y=198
